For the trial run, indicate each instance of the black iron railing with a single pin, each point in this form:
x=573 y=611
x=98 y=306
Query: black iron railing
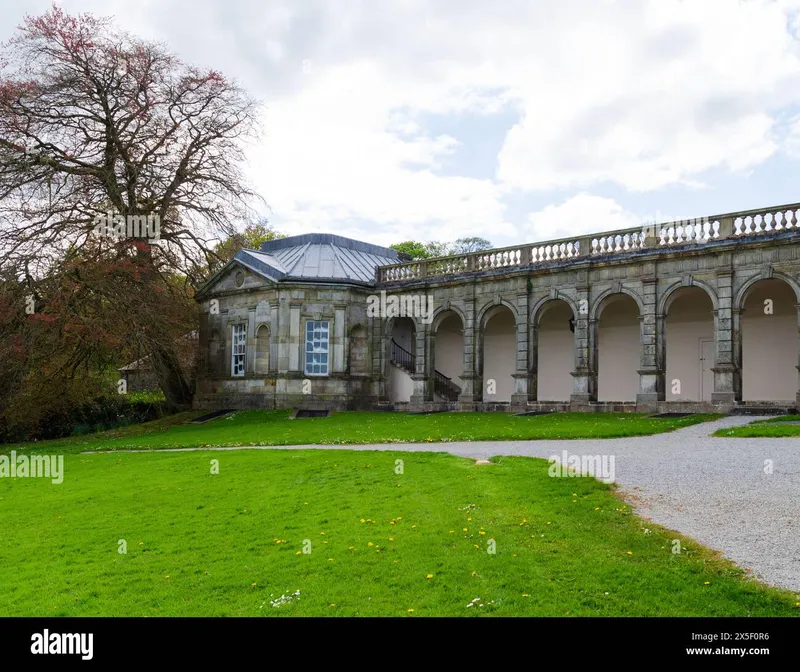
x=445 y=387
x=403 y=358
x=442 y=385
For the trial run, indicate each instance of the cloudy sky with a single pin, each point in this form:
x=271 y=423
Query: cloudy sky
x=515 y=120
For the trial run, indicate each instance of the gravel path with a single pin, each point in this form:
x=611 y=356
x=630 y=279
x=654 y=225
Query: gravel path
x=714 y=490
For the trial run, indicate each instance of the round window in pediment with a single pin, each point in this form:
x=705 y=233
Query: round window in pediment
x=239 y=278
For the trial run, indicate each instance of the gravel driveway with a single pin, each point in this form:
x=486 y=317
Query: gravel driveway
x=715 y=490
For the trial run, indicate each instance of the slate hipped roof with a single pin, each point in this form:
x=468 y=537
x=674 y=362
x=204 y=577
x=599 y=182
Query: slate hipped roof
x=318 y=257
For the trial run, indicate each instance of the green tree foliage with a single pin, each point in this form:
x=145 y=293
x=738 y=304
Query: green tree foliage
x=412 y=250
x=251 y=238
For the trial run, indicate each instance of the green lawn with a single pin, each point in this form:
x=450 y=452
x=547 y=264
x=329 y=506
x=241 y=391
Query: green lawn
x=772 y=427
x=382 y=543
x=274 y=428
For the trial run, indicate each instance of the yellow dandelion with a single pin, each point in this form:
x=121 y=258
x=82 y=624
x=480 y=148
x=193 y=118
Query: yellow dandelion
x=370 y=544
x=430 y=576
x=410 y=611
x=252 y=585
x=331 y=605
x=299 y=553
x=465 y=529
x=629 y=552
x=413 y=527
x=391 y=538
x=525 y=595
x=401 y=518
x=483 y=533
x=363 y=521
x=707 y=583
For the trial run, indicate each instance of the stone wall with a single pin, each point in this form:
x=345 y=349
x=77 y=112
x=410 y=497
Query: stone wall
x=726 y=270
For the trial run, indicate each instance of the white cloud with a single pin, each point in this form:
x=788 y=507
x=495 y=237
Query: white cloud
x=578 y=215
x=644 y=95
x=640 y=93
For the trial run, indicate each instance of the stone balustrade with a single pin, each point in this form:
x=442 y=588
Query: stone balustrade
x=703 y=231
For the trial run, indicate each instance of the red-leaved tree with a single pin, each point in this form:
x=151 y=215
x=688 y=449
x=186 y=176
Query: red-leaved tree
x=99 y=127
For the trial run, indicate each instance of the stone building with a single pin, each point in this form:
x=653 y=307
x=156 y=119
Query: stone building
x=681 y=316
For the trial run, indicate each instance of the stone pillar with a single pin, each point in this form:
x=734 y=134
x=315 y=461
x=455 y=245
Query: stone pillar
x=522 y=374
x=797 y=307
x=274 y=330
x=338 y=336
x=294 y=341
x=470 y=391
x=727 y=334
x=250 y=348
x=423 y=386
x=533 y=366
x=584 y=377
x=227 y=337
x=651 y=375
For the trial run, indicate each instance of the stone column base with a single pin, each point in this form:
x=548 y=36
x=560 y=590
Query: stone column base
x=723 y=398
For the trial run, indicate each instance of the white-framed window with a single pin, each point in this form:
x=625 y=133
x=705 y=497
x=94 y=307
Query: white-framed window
x=238 y=349
x=317 y=347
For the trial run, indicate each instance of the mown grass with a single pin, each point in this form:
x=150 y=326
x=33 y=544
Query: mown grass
x=771 y=427
x=381 y=543
x=274 y=428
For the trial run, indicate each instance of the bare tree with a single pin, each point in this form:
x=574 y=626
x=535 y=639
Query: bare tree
x=100 y=129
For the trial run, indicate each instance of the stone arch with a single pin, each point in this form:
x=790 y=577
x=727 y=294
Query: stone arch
x=497 y=362
x=594 y=312
x=688 y=343
x=767 y=347
x=487 y=312
x=616 y=346
x=744 y=290
x=539 y=307
x=261 y=361
x=553 y=347
x=408 y=342
x=446 y=343
x=400 y=365
x=440 y=314
x=669 y=294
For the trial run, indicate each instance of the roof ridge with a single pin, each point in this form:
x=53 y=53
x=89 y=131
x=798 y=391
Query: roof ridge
x=328 y=239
